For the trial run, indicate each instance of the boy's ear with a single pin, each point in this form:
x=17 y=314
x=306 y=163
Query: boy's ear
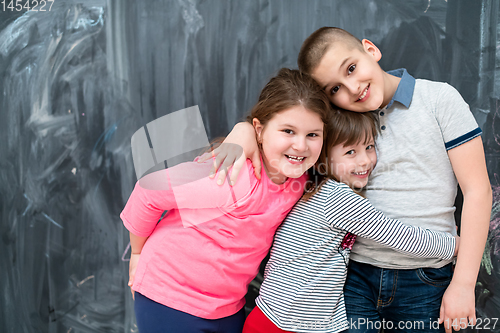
x=371 y=49
x=258 y=128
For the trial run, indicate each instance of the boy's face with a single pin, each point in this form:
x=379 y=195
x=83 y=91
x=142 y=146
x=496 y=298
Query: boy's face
x=352 y=79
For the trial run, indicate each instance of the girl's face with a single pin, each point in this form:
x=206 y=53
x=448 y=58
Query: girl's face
x=353 y=164
x=291 y=142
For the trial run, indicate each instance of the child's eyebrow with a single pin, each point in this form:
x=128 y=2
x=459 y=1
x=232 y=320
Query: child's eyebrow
x=295 y=127
x=343 y=62
x=340 y=67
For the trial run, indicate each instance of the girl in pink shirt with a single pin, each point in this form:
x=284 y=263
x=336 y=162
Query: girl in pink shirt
x=190 y=271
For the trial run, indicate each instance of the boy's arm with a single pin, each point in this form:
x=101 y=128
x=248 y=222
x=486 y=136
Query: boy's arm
x=243 y=145
x=458 y=303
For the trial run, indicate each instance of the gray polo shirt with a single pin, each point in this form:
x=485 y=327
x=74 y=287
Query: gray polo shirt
x=414 y=180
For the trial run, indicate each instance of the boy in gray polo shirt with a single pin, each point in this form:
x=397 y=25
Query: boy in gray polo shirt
x=428 y=141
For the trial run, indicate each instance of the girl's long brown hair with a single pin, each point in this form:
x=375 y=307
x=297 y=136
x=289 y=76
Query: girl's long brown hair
x=290 y=88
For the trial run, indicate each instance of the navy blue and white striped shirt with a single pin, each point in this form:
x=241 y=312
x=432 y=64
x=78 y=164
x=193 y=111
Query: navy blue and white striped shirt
x=304 y=278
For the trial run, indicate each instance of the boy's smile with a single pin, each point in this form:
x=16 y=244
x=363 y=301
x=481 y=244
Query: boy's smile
x=353 y=79
x=364 y=95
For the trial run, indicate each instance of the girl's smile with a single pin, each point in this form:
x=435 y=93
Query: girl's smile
x=295 y=159
x=353 y=164
x=291 y=142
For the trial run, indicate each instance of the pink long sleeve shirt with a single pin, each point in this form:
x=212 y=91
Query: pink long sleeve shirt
x=202 y=255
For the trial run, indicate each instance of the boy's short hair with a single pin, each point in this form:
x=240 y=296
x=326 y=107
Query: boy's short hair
x=319 y=42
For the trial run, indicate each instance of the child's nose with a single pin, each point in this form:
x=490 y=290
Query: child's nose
x=353 y=87
x=300 y=144
x=364 y=159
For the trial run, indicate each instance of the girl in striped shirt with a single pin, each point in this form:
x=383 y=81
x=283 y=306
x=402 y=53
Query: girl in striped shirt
x=304 y=278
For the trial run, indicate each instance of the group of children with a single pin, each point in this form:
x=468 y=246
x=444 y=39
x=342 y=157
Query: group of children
x=354 y=241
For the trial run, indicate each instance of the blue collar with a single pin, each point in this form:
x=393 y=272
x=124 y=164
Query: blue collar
x=404 y=93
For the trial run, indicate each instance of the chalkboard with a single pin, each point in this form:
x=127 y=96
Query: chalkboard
x=78 y=79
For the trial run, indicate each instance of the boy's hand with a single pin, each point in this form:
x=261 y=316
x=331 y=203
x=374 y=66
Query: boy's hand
x=132 y=266
x=239 y=145
x=458 y=307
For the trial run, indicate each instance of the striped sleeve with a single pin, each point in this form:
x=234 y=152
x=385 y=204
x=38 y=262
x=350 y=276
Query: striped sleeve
x=349 y=211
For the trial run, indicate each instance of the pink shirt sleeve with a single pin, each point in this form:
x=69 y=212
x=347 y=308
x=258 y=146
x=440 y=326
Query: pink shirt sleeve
x=184 y=186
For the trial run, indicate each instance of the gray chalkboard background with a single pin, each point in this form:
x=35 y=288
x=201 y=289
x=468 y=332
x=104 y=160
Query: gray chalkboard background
x=77 y=81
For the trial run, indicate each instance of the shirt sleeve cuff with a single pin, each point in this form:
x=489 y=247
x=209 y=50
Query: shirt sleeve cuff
x=463 y=139
x=130 y=227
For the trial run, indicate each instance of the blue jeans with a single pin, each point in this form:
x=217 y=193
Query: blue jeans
x=395 y=300
x=154 y=317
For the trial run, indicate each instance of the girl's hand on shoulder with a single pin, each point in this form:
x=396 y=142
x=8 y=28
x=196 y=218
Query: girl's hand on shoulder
x=239 y=145
x=134 y=260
